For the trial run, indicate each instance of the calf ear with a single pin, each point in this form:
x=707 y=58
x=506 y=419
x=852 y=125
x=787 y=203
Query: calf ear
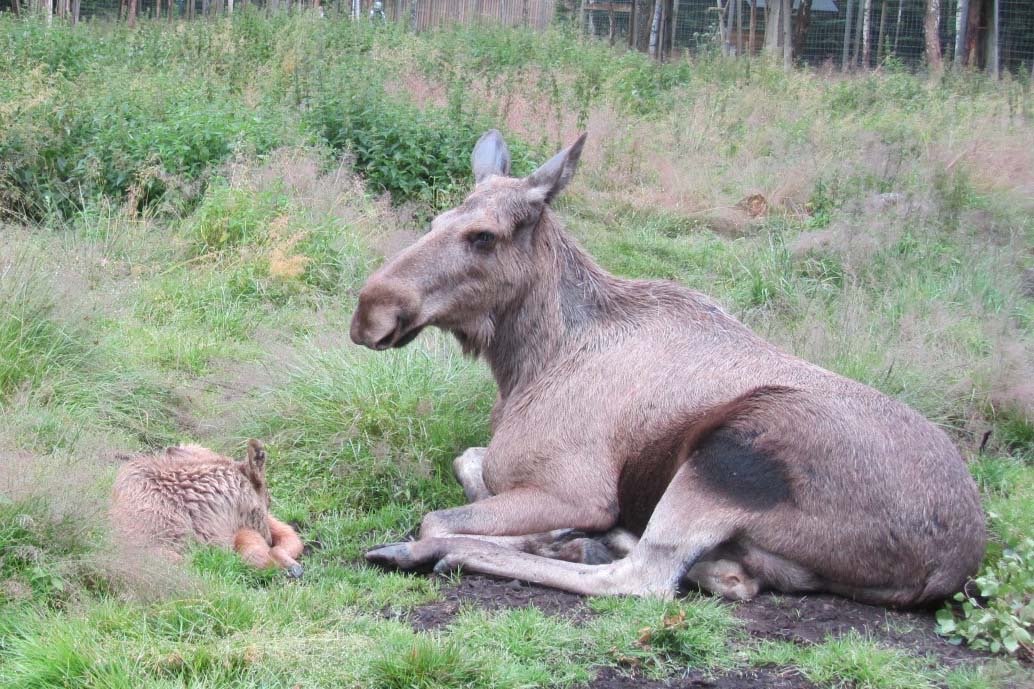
x=490 y=156
x=256 y=457
x=550 y=179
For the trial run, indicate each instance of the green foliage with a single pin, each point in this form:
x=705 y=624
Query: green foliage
x=998 y=614
x=230 y=217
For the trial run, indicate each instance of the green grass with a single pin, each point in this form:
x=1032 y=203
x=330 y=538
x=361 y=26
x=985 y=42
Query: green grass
x=185 y=243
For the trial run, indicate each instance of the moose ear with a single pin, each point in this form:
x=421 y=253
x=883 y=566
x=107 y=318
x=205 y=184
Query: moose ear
x=550 y=179
x=490 y=156
x=256 y=457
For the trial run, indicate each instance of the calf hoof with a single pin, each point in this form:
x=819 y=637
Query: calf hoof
x=294 y=572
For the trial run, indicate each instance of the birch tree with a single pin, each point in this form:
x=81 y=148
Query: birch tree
x=931 y=29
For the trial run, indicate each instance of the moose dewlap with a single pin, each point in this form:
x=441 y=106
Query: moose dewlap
x=190 y=493
x=643 y=409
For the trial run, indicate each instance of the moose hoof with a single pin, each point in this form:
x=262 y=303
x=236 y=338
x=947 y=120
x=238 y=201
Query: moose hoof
x=408 y=555
x=294 y=572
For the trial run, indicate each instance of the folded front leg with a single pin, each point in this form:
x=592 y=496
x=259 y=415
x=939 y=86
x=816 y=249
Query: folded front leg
x=505 y=519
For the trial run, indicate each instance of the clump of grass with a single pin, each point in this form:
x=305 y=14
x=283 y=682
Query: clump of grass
x=850 y=660
x=658 y=636
x=427 y=663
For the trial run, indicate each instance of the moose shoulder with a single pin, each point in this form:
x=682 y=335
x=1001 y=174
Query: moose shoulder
x=644 y=406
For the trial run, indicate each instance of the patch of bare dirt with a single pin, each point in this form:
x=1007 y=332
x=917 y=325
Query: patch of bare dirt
x=496 y=594
x=810 y=619
x=770 y=678
x=796 y=619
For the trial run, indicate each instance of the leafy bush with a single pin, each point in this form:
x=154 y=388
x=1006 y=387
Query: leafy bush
x=1000 y=615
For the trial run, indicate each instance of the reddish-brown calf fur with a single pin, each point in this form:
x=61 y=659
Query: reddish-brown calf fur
x=643 y=405
x=191 y=493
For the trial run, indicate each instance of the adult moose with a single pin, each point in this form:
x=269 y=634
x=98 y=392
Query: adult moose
x=643 y=405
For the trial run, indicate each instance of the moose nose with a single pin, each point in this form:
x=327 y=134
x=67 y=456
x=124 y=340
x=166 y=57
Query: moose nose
x=381 y=319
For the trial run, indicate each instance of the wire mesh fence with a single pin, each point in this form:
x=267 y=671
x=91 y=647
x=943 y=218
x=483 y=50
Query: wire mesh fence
x=419 y=14
x=992 y=34
x=848 y=34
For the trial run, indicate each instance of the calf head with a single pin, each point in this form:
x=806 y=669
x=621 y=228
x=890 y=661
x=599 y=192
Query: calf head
x=476 y=260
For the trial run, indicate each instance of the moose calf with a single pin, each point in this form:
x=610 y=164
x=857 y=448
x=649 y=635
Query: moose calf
x=191 y=493
x=643 y=405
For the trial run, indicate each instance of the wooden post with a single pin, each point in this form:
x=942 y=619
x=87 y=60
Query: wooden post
x=847 y=36
x=994 y=41
x=961 y=26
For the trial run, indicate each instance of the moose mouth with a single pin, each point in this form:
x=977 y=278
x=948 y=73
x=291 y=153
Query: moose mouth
x=398 y=338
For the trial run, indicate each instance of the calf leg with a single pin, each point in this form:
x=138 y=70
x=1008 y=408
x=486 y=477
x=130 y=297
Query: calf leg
x=286 y=546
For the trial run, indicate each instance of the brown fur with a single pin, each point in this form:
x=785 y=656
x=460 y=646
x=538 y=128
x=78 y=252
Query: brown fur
x=189 y=493
x=644 y=405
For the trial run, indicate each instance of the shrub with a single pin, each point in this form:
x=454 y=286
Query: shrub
x=999 y=615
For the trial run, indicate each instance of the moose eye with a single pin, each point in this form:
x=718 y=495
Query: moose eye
x=482 y=241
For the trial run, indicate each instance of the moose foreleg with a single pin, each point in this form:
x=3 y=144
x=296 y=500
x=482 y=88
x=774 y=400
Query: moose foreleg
x=513 y=519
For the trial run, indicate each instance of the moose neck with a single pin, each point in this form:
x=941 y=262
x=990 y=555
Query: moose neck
x=568 y=295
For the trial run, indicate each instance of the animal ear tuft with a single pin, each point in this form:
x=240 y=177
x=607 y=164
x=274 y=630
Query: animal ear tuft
x=256 y=455
x=550 y=179
x=490 y=156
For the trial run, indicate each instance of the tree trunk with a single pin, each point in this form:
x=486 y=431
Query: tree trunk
x=897 y=25
x=866 y=33
x=15 y=7
x=612 y=24
x=655 y=26
x=857 y=48
x=961 y=26
x=774 y=27
x=739 y=27
x=847 y=36
x=994 y=40
x=753 y=25
x=931 y=31
x=787 y=35
x=668 y=44
x=131 y=19
x=800 y=31
x=881 y=42
x=643 y=24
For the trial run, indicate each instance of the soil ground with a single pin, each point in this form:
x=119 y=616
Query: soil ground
x=797 y=619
